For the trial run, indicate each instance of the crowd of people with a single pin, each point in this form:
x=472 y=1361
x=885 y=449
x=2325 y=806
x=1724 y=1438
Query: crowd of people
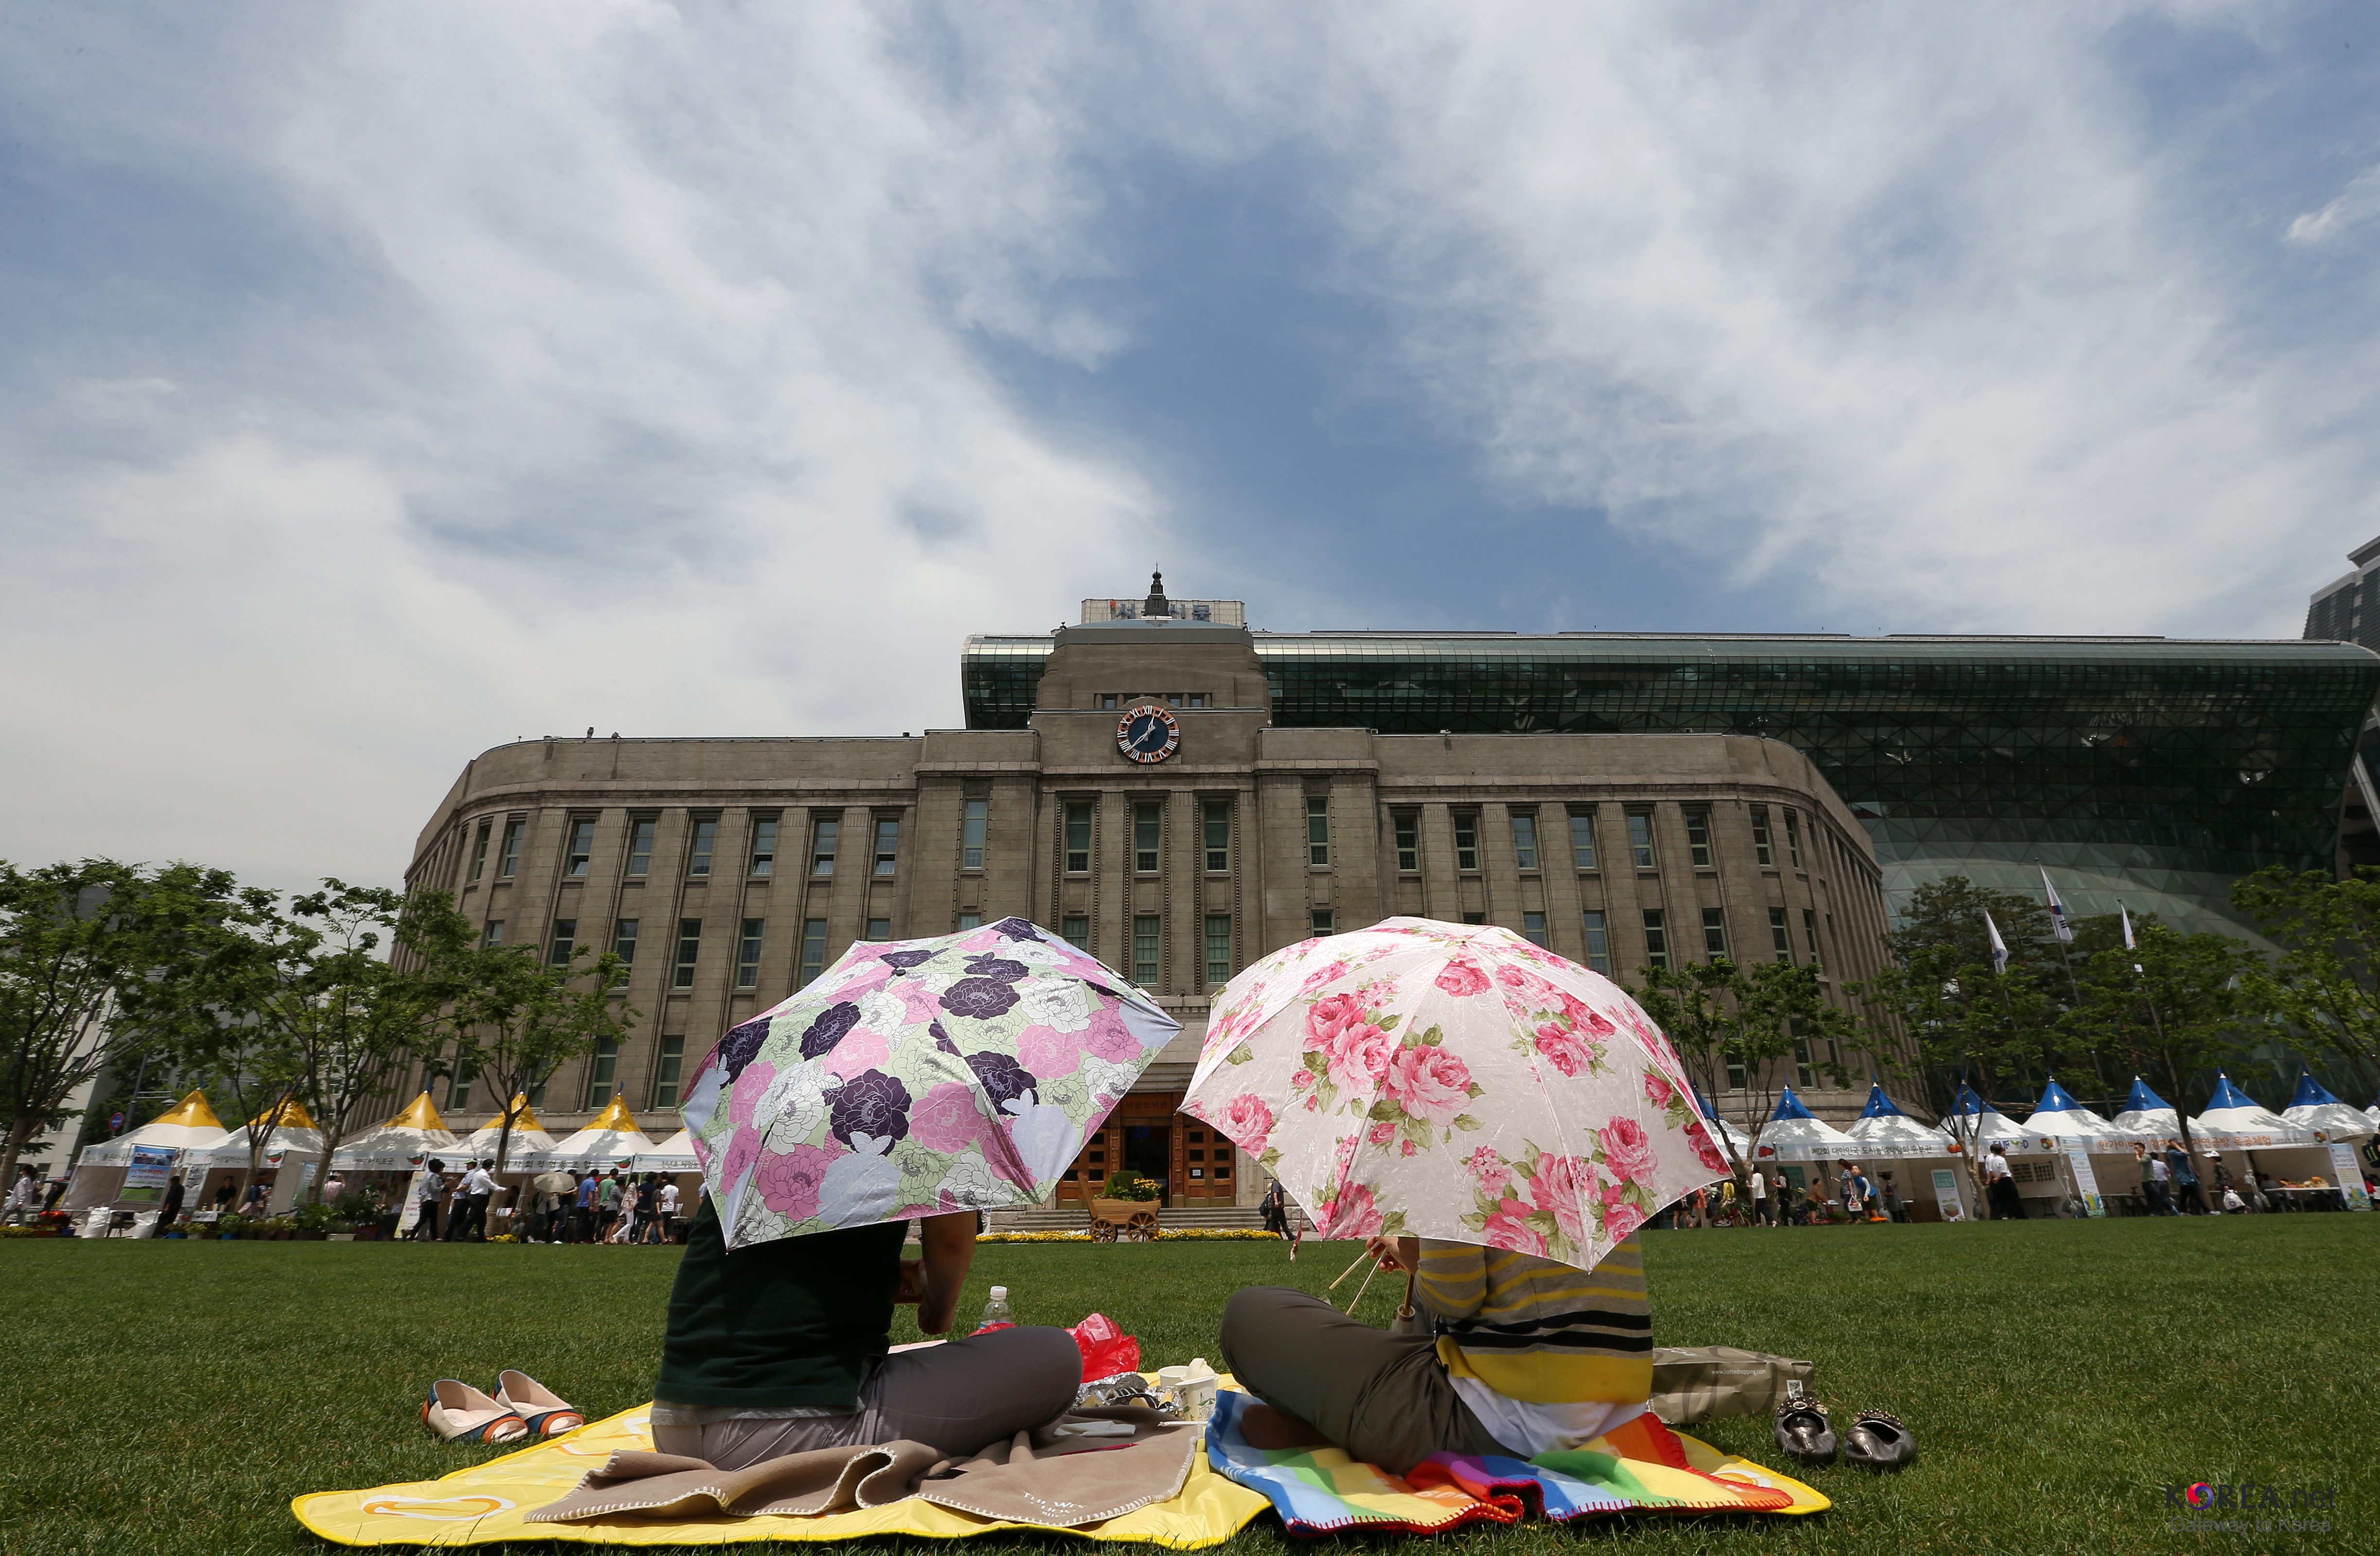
x=1771 y=1198
x=555 y=1207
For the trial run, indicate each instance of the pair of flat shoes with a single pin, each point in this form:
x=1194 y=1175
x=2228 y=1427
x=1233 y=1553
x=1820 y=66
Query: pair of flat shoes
x=1877 y=1438
x=522 y=1408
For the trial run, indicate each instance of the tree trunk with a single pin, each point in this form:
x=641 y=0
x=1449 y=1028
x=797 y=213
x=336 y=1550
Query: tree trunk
x=20 y=1135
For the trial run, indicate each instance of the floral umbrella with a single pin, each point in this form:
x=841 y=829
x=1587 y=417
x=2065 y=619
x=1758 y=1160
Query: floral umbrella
x=1453 y=1081
x=917 y=1076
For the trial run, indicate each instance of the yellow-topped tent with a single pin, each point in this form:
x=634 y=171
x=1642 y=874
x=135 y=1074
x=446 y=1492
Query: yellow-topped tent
x=613 y=1140
x=402 y=1142
x=191 y=1125
x=530 y=1137
x=284 y=1129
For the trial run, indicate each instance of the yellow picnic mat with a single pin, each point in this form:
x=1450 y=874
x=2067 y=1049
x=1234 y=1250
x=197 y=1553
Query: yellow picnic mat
x=484 y=1504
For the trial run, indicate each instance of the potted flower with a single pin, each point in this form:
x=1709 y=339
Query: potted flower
x=230 y=1225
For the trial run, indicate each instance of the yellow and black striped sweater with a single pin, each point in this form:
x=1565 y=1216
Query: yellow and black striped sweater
x=1539 y=1332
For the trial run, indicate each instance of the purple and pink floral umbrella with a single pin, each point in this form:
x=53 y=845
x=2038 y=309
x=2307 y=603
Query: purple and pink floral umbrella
x=915 y=1077
x=1453 y=1081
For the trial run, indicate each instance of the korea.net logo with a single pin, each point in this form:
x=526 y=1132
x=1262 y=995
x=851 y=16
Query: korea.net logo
x=2212 y=1507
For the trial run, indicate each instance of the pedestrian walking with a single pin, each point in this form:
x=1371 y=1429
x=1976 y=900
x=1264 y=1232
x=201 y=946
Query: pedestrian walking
x=2186 y=1191
x=2000 y=1186
x=1760 y=1207
x=427 y=1192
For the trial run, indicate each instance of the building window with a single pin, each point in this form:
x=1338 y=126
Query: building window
x=888 y=843
x=972 y=827
x=1780 y=939
x=508 y=857
x=1218 y=819
x=1793 y=838
x=1598 y=943
x=1715 y=932
x=1640 y=838
x=1197 y=699
x=1148 y=827
x=536 y=1093
x=1810 y=933
x=1075 y=929
x=1467 y=841
x=458 y=1093
x=640 y=845
x=1145 y=944
x=665 y=1067
x=1078 y=837
x=1219 y=948
x=1698 y=850
x=813 y=949
x=1317 y=829
x=480 y=851
x=689 y=947
x=1325 y=921
x=1738 y=1076
x=624 y=940
x=764 y=846
x=1656 y=938
x=600 y=1072
x=1108 y=700
x=879 y=929
x=495 y=933
x=582 y=848
x=822 y=839
x=1524 y=839
x=1408 y=838
x=1804 y=1076
x=1762 y=849
x=566 y=936
x=1474 y=919
x=748 y=954
x=1582 y=839
x=1532 y=928
x=705 y=839
x=970 y=922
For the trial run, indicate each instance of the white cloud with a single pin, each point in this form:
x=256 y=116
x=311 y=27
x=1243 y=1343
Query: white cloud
x=2360 y=201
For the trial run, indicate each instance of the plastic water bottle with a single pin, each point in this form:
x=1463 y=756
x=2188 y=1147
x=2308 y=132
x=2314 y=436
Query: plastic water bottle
x=996 y=1311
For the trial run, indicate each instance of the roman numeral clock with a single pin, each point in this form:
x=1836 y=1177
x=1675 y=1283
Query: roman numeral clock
x=1148 y=733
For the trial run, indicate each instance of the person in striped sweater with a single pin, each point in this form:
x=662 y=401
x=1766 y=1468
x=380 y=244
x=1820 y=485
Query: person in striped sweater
x=1508 y=1355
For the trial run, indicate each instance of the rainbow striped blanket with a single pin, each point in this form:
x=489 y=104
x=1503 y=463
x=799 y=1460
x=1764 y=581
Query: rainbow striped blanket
x=1642 y=1467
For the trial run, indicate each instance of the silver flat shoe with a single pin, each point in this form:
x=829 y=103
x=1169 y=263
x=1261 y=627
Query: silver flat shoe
x=1878 y=1440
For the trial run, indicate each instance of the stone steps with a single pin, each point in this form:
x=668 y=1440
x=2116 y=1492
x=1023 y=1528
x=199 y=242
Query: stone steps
x=1219 y=1218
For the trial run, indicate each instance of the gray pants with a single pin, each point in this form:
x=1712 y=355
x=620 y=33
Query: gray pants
x=1382 y=1397
x=961 y=1398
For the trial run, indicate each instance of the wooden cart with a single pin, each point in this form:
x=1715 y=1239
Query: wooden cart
x=1133 y=1220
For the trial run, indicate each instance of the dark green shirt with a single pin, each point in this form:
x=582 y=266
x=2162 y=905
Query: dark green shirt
x=790 y=1322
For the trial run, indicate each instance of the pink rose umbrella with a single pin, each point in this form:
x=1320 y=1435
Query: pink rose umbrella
x=1453 y=1081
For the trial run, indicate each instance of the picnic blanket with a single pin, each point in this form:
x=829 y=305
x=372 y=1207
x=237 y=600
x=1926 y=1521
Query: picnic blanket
x=1642 y=1467
x=603 y=1484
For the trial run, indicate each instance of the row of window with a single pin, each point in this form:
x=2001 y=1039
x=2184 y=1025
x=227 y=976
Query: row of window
x=1642 y=851
x=602 y=1079
x=702 y=846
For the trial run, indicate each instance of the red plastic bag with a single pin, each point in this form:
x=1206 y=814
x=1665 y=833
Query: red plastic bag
x=1106 y=1350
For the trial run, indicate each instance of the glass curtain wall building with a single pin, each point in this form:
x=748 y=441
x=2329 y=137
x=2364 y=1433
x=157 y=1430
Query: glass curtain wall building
x=2151 y=771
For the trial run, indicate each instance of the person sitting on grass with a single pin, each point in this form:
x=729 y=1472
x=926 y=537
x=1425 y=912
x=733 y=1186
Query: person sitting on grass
x=1531 y=1355
x=782 y=1348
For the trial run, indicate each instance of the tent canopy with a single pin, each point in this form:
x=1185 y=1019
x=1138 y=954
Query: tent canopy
x=613 y=1139
x=1794 y=1133
x=2313 y=1107
x=529 y=1136
x=2060 y=1117
x=191 y=1126
x=2146 y=1115
x=2233 y=1120
x=1882 y=1129
x=400 y=1142
x=672 y=1155
x=1975 y=1116
x=285 y=1130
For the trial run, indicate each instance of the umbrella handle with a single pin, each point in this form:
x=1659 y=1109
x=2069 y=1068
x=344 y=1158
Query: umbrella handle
x=1349 y=1271
x=1362 y=1289
x=1406 y=1311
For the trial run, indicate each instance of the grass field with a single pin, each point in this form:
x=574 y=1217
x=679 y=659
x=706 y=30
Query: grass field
x=169 y=1398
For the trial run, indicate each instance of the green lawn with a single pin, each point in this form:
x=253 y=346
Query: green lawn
x=171 y=1397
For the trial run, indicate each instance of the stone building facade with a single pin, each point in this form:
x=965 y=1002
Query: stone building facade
x=1153 y=813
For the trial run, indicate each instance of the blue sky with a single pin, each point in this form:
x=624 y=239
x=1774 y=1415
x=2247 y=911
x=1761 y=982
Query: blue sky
x=390 y=381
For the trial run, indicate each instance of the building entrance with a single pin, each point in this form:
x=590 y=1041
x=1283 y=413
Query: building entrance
x=1147 y=1136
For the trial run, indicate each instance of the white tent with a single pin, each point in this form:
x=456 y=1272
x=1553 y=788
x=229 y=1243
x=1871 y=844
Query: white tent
x=288 y=1131
x=1795 y=1133
x=192 y=1125
x=613 y=1140
x=672 y=1155
x=1883 y=1130
x=2315 y=1108
x=2060 y=1118
x=2234 y=1121
x=529 y=1139
x=2147 y=1116
x=1987 y=1126
x=398 y=1145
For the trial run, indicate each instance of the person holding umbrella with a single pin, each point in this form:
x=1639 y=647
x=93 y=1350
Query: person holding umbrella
x=986 y=1057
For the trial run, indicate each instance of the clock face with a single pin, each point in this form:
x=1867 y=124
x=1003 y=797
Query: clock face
x=1148 y=733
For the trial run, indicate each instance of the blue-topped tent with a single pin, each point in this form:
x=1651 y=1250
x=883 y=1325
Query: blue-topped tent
x=2146 y=1115
x=2060 y=1117
x=1882 y=1129
x=1795 y=1133
x=2313 y=1107
x=1975 y=1119
x=2233 y=1120
x=1711 y=1115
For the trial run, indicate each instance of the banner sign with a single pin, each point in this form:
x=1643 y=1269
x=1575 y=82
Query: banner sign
x=144 y=1180
x=2344 y=1168
x=2086 y=1183
x=1945 y=1194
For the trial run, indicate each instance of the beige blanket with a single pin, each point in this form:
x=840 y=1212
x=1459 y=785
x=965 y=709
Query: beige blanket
x=1056 y=1476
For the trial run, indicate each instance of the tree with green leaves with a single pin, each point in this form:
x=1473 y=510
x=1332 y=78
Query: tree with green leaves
x=1968 y=1022
x=1730 y=1022
x=513 y=1019
x=2174 y=1006
x=2323 y=983
x=86 y=951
